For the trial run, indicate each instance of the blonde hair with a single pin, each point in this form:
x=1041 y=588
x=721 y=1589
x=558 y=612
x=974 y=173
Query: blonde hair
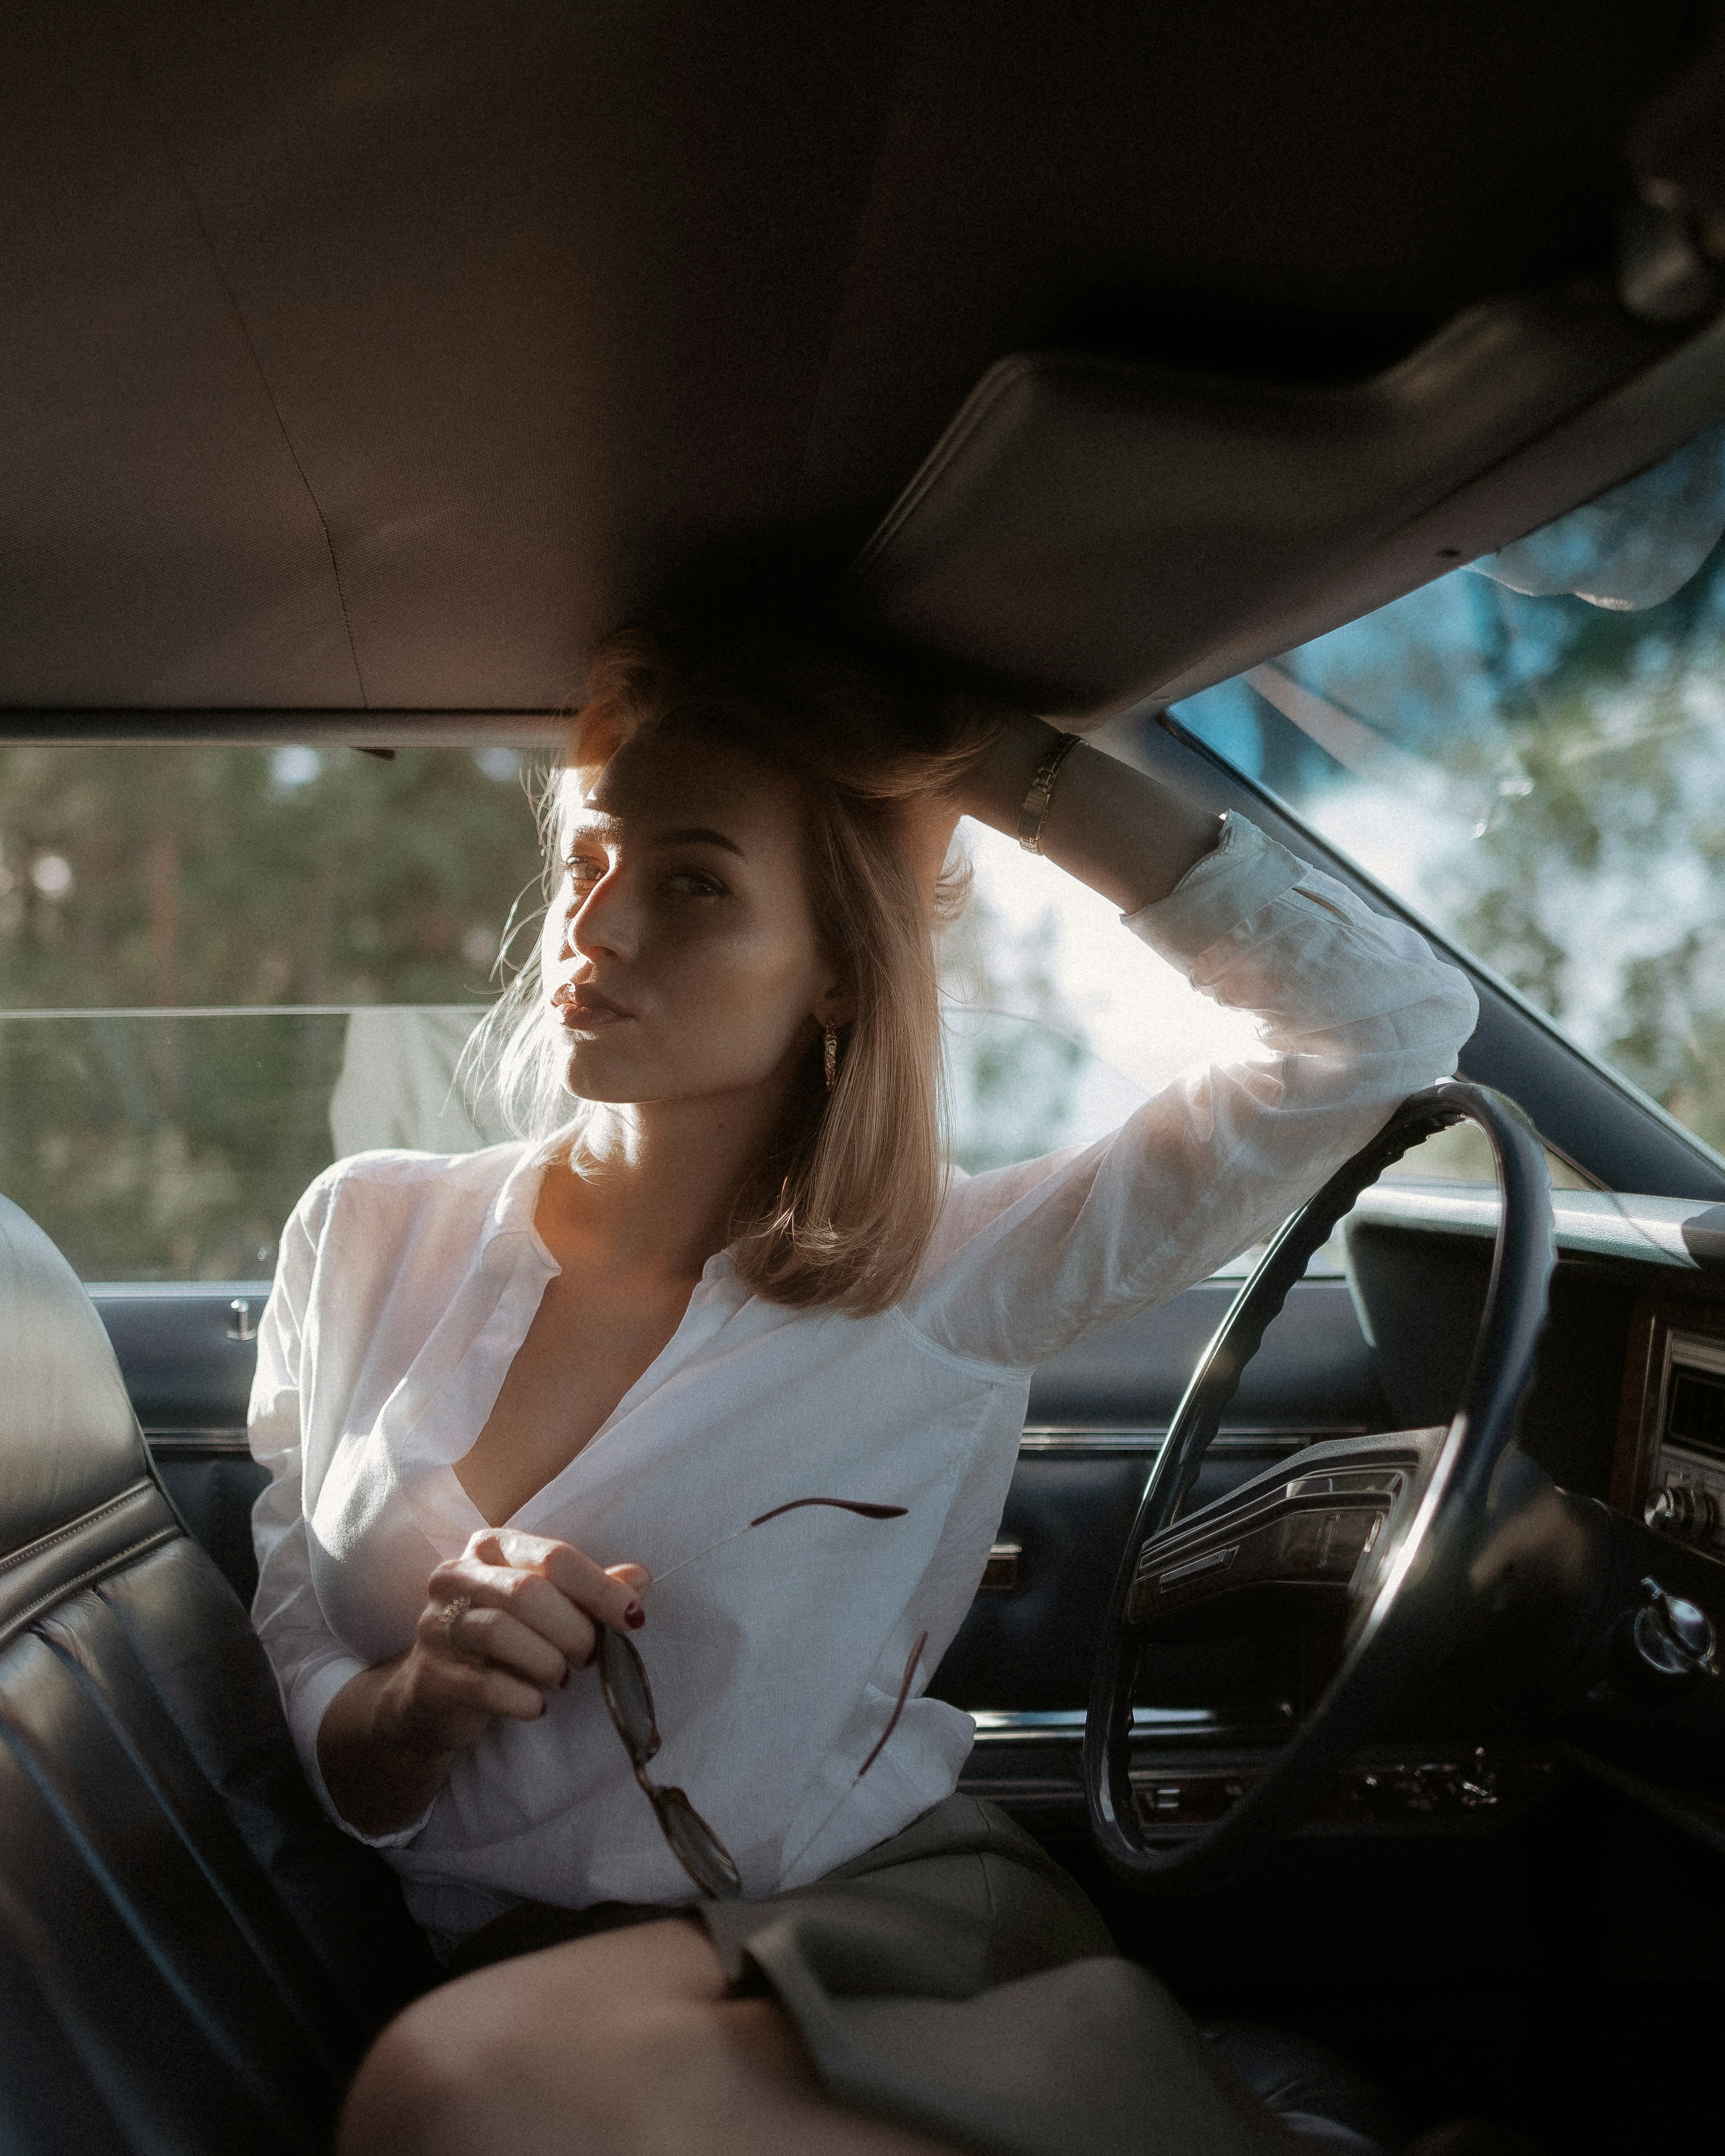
x=841 y=1209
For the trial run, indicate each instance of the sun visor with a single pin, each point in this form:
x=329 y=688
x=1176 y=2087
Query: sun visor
x=1094 y=532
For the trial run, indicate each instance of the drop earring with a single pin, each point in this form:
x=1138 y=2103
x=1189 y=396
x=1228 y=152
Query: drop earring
x=831 y=1051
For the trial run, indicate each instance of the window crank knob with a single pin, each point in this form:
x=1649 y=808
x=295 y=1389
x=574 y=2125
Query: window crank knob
x=1674 y=1637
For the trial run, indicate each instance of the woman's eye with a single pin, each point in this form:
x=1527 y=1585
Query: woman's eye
x=585 y=869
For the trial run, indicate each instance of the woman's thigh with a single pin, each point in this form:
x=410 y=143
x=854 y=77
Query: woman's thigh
x=625 y=2041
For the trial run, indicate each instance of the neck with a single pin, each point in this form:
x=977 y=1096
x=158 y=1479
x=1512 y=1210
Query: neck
x=657 y=1180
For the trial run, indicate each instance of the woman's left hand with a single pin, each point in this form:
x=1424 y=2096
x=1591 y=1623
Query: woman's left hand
x=503 y=1626
x=529 y=1606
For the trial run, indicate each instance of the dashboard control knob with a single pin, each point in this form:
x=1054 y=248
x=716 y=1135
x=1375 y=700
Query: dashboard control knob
x=1674 y=1637
x=1680 y=1508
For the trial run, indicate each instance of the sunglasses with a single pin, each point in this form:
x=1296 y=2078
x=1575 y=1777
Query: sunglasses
x=629 y=1702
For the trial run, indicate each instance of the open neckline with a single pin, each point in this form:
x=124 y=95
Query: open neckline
x=719 y=1266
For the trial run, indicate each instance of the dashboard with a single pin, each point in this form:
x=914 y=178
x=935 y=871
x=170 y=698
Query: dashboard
x=1627 y=1408
x=1628 y=1403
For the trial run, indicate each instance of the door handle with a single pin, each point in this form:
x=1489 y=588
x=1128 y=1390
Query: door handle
x=1005 y=1572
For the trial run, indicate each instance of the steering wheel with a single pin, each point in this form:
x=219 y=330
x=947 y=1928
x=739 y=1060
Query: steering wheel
x=1377 y=1532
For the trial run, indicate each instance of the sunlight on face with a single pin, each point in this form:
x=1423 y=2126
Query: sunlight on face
x=679 y=951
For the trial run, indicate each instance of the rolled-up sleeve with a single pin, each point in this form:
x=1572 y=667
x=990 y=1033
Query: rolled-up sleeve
x=1354 y=1011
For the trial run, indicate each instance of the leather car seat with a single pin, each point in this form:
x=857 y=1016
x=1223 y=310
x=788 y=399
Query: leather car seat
x=1311 y=2089
x=191 y=1957
x=1325 y=2101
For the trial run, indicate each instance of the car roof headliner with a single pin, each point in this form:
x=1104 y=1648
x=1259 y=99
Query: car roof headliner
x=377 y=356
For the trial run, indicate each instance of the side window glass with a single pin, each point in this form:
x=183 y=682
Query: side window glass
x=1059 y=1021
x=223 y=968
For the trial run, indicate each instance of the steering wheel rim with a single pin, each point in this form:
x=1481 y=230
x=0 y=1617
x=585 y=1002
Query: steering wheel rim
x=1415 y=1596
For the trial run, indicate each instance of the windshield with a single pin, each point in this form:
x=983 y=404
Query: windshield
x=1539 y=773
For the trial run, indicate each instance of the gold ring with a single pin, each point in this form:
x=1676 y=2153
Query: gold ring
x=453 y=1609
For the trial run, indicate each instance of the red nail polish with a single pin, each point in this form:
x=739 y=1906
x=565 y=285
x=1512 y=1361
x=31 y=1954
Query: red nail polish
x=634 y=1616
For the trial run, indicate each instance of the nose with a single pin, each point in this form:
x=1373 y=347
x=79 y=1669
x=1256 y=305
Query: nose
x=604 y=922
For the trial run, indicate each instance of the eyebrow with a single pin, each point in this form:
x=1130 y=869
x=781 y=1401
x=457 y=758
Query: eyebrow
x=690 y=835
x=699 y=834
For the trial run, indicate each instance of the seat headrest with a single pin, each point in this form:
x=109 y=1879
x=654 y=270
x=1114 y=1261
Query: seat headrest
x=68 y=1439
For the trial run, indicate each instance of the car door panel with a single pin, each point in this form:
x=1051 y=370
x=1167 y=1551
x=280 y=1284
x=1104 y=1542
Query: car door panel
x=188 y=1352
x=1096 y=1420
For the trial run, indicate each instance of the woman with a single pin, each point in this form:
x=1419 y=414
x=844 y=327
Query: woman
x=525 y=1403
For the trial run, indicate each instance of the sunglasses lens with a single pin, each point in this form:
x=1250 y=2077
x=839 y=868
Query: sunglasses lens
x=623 y=1676
x=696 y=1847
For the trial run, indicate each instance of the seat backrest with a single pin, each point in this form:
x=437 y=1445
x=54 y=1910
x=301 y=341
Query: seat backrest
x=191 y=1956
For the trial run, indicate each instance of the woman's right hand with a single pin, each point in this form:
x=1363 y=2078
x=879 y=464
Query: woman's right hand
x=503 y=1626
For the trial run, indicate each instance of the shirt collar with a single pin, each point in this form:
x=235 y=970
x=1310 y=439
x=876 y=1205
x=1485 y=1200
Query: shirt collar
x=513 y=1208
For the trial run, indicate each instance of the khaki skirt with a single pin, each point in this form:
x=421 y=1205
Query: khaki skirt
x=956 y=1980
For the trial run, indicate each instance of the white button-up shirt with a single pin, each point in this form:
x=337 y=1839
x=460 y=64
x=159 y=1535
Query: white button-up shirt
x=407 y=1283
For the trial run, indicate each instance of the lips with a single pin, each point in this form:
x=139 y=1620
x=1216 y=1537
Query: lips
x=582 y=1009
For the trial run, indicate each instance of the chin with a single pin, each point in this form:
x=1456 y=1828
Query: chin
x=608 y=1081
x=622 y=1082
x=585 y=1076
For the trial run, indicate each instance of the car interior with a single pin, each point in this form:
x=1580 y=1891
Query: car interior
x=362 y=366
